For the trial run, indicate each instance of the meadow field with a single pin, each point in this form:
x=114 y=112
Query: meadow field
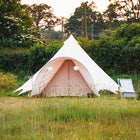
x=29 y=39
x=104 y=118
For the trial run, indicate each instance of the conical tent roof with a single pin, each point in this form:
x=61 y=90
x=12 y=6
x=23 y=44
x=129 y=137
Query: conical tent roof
x=94 y=76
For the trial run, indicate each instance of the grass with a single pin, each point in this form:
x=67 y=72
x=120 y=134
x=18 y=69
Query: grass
x=69 y=118
x=104 y=118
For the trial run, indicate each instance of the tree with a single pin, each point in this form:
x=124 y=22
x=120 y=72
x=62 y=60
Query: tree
x=16 y=25
x=49 y=23
x=111 y=12
x=43 y=16
x=84 y=17
x=97 y=24
x=13 y=19
x=128 y=10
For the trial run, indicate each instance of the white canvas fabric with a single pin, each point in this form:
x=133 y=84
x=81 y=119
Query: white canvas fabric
x=95 y=78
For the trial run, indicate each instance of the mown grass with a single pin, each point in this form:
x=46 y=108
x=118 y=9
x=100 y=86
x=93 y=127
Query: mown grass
x=102 y=118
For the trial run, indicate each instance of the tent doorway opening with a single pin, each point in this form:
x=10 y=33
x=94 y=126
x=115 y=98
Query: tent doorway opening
x=67 y=82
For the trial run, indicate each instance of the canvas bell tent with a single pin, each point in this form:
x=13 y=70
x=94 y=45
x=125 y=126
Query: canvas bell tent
x=70 y=72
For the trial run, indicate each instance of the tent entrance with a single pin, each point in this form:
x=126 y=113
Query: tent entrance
x=67 y=82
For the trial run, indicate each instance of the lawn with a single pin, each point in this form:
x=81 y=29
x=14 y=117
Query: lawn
x=103 y=118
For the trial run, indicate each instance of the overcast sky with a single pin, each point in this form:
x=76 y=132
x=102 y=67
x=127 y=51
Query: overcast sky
x=65 y=8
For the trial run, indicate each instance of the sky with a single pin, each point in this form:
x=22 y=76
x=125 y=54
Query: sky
x=65 y=8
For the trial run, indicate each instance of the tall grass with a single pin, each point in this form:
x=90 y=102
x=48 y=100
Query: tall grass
x=101 y=118
x=69 y=118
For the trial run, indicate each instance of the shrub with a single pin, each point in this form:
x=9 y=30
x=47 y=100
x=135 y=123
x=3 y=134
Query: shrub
x=37 y=57
x=119 y=51
x=7 y=80
x=14 y=61
x=83 y=42
x=52 y=48
x=40 y=54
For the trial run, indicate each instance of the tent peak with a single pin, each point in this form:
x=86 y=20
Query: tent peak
x=70 y=40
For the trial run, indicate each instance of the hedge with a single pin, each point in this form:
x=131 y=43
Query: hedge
x=14 y=62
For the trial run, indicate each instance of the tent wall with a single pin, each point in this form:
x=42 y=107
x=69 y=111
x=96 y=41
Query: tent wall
x=67 y=82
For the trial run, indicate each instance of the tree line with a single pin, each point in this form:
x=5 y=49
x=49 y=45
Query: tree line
x=111 y=38
x=86 y=21
x=117 y=52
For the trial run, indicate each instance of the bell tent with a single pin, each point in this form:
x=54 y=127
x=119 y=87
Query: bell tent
x=70 y=72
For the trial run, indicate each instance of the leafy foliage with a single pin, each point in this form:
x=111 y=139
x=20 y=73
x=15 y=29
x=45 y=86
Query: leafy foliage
x=13 y=18
x=127 y=10
x=120 y=49
x=16 y=26
x=53 y=47
x=83 y=42
x=51 y=35
x=118 y=12
x=37 y=57
x=43 y=16
x=117 y=52
x=76 y=23
x=7 y=80
x=14 y=61
x=111 y=12
x=39 y=54
x=22 y=40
